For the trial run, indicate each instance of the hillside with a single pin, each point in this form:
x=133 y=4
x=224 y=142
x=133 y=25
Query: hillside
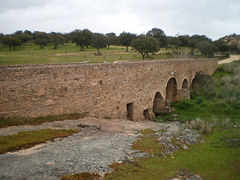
x=232 y=39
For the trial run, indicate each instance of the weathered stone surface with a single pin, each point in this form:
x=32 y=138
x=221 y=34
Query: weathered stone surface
x=99 y=143
x=49 y=102
x=172 y=141
x=41 y=92
x=103 y=90
x=26 y=105
x=5 y=99
x=185 y=174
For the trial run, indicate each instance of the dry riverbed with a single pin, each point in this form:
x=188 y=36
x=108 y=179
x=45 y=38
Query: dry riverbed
x=99 y=143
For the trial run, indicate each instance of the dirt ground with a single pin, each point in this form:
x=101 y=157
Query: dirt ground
x=230 y=59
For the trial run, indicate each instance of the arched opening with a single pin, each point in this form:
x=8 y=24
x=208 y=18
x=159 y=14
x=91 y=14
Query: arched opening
x=171 y=90
x=195 y=86
x=185 y=84
x=158 y=104
x=194 y=81
x=185 y=92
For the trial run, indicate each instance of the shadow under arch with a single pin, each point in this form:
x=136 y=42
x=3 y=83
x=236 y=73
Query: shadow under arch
x=171 y=90
x=158 y=104
x=194 y=81
x=185 y=84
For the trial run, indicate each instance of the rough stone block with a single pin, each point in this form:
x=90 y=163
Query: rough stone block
x=49 y=102
x=41 y=92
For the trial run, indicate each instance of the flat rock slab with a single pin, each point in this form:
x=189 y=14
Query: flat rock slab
x=78 y=153
x=100 y=143
x=108 y=125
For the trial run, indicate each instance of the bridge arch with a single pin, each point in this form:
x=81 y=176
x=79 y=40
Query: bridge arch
x=171 y=90
x=158 y=104
x=194 y=81
x=185 y=84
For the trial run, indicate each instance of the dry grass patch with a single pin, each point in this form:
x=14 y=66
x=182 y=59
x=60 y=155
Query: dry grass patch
x=147 y=131
x=82 y=176
x=24 y=140
x=115 y=166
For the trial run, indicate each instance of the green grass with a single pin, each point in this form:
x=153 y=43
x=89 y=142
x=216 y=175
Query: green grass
x=199 y=107
x=24 y=140
x=32 y=54
x=214 y=159
x=218 y=98
x=147 y=143
x=39 y=120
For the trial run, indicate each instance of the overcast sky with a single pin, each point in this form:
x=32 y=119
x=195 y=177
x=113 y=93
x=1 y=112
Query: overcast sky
x=214 y=18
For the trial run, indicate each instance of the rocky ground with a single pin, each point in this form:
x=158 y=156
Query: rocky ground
x=100 y=143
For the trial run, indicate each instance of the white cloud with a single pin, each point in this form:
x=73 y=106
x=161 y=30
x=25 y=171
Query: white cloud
x=214 y=18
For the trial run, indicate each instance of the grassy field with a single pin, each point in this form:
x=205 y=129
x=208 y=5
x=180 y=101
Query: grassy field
x=32 y=54
x=214 y=159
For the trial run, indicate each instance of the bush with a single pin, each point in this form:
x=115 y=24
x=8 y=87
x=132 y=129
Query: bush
x=236 y=79
x=201 y=126
x=226 y=80
x=203 y=85
x=207 y=127
x=200 y=100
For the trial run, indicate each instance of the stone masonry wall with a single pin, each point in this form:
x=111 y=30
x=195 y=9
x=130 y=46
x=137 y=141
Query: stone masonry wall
x=101 y=90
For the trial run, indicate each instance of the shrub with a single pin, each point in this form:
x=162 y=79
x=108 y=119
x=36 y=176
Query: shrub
x=203 y=85
x=201 y=126
x=226 y=123
x=206 y=128
x=226 y=80
x=236 y=79
x=237 y=70
x=200 y=100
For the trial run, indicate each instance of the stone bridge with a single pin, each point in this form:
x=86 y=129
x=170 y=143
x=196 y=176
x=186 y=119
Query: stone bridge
x=134 y=90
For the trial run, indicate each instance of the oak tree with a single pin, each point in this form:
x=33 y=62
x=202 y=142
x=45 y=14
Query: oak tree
x=126 y=39
x=206 y=48
x=11 y=41
x=41 y=38
x=159 y=35
x=81 y=38
x=99 y=41
x=56 y=39
x=111 y=39
x=145 y=45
